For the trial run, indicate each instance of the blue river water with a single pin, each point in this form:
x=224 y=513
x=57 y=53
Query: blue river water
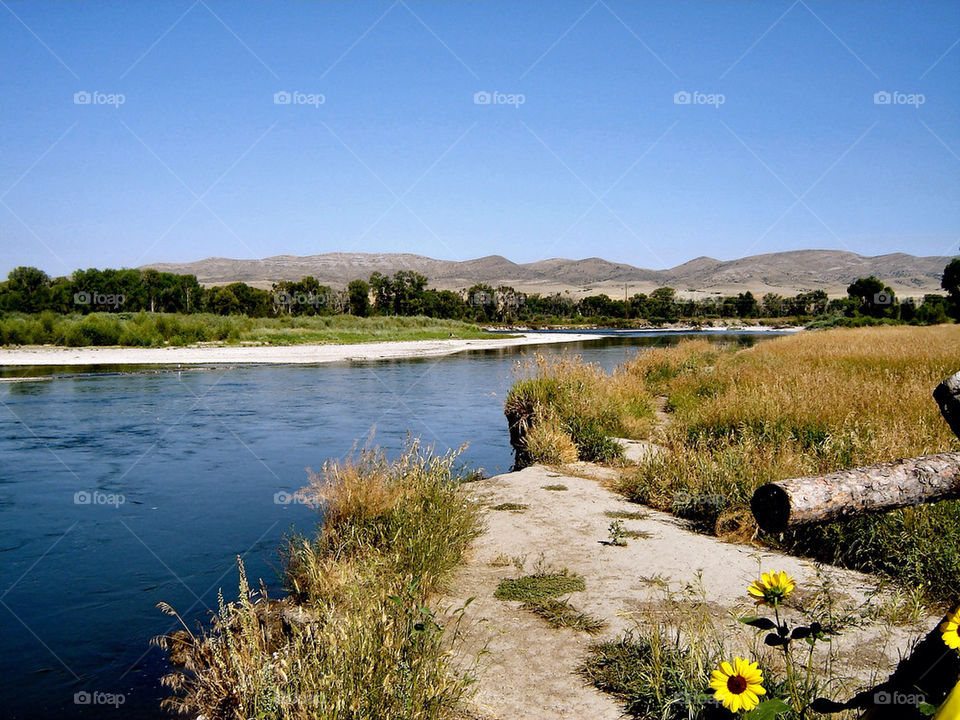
x=119 y=490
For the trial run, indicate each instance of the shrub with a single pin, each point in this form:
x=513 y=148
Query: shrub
x=370 y=647
x=572 y=399
x=548 y=444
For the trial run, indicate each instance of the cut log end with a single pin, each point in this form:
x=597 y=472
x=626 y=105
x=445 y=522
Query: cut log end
x=947 y=395
x=771 y=508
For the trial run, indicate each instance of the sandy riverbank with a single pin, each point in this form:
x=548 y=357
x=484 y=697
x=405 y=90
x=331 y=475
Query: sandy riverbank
x=48 y=355
x=527 y=669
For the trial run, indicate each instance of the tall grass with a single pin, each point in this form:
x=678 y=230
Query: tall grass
x=564 y=409
x=369 y=645
x=145 y=329
x=800 y=405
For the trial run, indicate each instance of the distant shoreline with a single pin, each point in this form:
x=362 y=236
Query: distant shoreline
x=54 y=355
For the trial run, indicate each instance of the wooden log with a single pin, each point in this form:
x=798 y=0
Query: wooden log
x=872 y=489
x=947 y=396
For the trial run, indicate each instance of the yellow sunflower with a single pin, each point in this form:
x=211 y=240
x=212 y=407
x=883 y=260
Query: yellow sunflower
x=738 y=686
x=771 y=588
x=949 y=628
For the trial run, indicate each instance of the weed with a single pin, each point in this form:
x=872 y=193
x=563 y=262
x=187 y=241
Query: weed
x=626 y=514
x=617 y=534
x=556 y=488
x=560 y=614
x=541 y=586
x=510 y=507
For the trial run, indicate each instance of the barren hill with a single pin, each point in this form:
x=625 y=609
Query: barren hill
x=784 y=272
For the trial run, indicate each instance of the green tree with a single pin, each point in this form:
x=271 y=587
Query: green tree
x=746 y=304
x=876 y=299
x=221 y=300
x=662 y=304
x=951 y=283
x=359 y=293
x=27 y=289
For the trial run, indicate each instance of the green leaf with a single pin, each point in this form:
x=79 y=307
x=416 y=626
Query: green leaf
x=768 y=710
x=759 y=622
x=926 y=708
x=775 y=640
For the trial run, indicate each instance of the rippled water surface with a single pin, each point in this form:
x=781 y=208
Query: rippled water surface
x=119 y=490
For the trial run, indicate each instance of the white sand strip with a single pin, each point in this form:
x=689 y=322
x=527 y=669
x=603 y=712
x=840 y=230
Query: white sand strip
x=278 y=355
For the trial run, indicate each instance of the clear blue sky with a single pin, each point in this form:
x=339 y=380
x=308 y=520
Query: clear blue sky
x=598 y=160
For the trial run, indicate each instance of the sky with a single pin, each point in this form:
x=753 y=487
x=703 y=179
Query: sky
x=648 y=133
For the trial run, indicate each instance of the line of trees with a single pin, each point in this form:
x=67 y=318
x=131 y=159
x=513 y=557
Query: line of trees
x=30 y=290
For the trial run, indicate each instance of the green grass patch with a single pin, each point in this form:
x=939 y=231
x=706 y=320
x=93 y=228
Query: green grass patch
x=542 y=586
x=652 y=680
x=510 y=507
x=626 y=514
x=556 y=488
x=561 y=614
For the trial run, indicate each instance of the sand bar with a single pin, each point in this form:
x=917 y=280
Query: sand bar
x=270 y=354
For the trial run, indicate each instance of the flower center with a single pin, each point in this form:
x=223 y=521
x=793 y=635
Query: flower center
x=736 y=684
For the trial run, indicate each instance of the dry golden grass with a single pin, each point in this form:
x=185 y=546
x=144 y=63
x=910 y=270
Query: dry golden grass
x=576 y=401
x=801 y=405
x=791 y=406
x=352 y=491
x=550 y=445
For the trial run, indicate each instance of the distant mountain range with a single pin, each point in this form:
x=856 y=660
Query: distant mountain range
x=783 y=272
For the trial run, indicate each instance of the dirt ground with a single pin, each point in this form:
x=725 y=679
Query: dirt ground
x=526 y=669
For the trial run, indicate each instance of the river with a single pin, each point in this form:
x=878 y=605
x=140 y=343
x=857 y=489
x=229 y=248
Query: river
x=119 y=490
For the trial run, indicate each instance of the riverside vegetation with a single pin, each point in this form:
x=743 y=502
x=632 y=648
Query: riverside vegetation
x=788 y=407
x=147 y=307
x=356 y=639
x=146 y=329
